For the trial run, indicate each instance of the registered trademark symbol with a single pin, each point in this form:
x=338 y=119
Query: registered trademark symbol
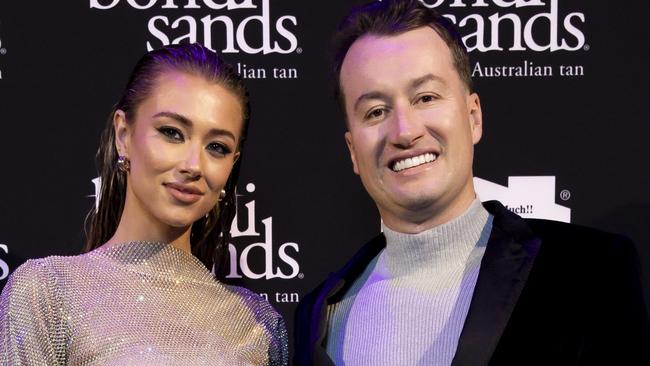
x=3 y=51
x=565 y=195
x=586 y=47
x=301 y=275
x=298 y=50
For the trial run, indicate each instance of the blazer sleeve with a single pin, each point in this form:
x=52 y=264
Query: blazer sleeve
x=623 y=335
x=31 y=328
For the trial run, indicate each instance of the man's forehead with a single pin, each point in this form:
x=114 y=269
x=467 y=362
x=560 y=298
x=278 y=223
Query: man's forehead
x=376 y=59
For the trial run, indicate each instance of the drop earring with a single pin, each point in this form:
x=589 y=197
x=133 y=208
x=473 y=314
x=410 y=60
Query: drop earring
x=123 y=163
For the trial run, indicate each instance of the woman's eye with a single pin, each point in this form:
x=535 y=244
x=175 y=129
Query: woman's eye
x=171 y=133
x=218 y=148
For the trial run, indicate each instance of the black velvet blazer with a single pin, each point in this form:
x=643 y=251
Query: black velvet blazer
x=548 y=293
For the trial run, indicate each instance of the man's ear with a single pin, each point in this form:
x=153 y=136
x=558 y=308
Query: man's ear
x=348 y=141
x=122 y=133
x=475 y=117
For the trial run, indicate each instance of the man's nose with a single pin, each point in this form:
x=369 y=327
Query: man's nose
x=405 y=128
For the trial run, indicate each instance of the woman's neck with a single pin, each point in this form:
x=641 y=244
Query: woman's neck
x=137 y=225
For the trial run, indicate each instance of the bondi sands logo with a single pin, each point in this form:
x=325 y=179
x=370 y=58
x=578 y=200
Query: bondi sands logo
x=4 y=267
x=534 y=25
x=229 y=31
x=240 y=263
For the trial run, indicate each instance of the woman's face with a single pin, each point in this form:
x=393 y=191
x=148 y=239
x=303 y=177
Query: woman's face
x=182 y=145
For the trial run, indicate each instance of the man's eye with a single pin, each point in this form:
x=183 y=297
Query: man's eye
x=218 y=148
x=427 y=98
x=171 y=133
x=375 y=113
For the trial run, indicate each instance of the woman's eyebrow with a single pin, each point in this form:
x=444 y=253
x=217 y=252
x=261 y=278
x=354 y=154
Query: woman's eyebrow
x=189 y=124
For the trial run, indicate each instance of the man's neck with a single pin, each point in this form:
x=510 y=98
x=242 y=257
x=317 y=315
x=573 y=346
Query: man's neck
x=417 y=221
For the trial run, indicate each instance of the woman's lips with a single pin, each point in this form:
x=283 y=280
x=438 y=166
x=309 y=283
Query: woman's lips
x=184 y=194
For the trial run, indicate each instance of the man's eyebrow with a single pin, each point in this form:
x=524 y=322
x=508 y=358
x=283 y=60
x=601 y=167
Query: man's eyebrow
x=369 y=96
x=418 y=82
x=414 y=84
x=188 y=123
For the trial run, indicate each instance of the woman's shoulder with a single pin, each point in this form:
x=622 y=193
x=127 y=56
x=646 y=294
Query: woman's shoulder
x=34 y=280
x=43 y=270
x=253 y=300
x=259 y=306
x=34 y=269
x=31 y=272
x=270 y=320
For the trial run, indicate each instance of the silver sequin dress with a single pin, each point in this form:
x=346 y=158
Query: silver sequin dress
x=134 y=304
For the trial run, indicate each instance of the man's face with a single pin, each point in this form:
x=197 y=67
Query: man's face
x=412 y=127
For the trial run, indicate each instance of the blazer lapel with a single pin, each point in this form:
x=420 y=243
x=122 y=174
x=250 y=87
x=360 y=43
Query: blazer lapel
x=507 y=261
x=333 y=290
x=318 y=319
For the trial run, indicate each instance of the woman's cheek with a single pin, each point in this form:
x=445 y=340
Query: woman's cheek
x=161 y=155
x=218 y=173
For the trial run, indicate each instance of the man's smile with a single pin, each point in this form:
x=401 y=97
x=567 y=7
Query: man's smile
x=414 y=161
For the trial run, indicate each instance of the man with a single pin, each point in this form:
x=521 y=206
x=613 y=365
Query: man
x=452 y=281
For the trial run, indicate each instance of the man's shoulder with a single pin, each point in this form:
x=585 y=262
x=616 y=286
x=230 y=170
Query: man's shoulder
x=557 y=230
x=584 y=253
x=578 y=238
x=568 y=236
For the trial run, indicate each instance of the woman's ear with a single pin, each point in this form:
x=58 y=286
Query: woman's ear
x=122 y=133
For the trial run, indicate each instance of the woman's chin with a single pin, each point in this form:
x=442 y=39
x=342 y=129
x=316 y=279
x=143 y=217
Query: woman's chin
x=179 y=222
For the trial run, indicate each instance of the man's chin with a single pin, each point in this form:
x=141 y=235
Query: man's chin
x=417 y=203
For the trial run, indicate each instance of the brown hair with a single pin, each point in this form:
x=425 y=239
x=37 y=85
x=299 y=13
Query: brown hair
x=394 y=17
x=210 y=235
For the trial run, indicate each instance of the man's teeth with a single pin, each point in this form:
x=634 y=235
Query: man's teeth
x=414 y=161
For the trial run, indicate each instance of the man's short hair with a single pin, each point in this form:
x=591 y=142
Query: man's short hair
x=394 y=17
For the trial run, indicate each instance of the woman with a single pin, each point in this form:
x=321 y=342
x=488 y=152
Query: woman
x=169 y=160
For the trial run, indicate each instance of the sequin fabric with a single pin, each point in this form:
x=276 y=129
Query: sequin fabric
x=134 y=304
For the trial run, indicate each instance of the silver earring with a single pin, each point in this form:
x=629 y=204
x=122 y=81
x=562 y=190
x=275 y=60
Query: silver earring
x=222 y=195
x=123 y=163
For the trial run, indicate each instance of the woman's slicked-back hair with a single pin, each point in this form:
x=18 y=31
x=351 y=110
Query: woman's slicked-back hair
x=210 y=235
x=394 y=17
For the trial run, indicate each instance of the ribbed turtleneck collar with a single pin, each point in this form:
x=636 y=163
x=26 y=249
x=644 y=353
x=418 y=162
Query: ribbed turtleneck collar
x=449 y=244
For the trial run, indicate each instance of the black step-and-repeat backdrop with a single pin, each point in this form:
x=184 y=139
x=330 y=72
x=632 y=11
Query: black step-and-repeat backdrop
x=563 y=83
